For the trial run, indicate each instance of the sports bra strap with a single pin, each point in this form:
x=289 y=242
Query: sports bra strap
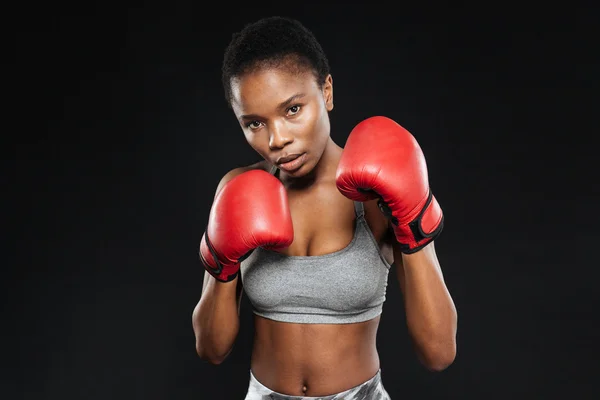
x=359 y=209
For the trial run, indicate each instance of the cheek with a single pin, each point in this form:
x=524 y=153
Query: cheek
x=319 y=129
x=259 y=142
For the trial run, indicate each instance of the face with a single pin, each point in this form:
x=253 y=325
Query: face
x=284 y=116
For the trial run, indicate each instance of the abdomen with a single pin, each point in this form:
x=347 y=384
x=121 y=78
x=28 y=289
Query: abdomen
x=314 y=359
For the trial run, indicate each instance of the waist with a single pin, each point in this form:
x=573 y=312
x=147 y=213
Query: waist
x=314 y=359
x=371 y=389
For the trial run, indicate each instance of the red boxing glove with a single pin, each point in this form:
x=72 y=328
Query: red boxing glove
x=383 y=160
x=250 y=211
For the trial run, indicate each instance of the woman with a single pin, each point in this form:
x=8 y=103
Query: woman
x=310 y=235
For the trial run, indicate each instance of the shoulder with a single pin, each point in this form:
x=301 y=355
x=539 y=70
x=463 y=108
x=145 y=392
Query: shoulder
x=261 y=165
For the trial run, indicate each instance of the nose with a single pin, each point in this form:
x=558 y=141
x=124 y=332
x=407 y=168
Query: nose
x=279 y=136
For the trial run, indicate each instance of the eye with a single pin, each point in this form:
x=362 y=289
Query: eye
x=253 y=125
x=294 y=109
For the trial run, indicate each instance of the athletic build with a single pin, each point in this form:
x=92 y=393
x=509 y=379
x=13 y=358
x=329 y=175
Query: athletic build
x=311 y=232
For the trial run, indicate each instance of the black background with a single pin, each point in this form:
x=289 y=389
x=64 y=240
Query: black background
x=122 y=135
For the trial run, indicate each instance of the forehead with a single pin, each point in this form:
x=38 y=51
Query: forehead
x=265 y=88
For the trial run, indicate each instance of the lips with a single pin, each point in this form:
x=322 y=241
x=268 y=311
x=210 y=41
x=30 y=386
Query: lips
x=295 y=163
x=291 y=157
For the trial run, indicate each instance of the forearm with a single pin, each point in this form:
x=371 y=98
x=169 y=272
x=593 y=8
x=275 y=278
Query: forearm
x=216 y=320
x=430 y=311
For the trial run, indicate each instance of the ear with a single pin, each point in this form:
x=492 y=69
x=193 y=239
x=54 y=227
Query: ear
x=328 y=92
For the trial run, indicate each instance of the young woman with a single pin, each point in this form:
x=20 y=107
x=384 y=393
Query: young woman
x=310 y=232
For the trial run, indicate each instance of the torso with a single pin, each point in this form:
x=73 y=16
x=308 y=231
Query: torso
x=319 y=359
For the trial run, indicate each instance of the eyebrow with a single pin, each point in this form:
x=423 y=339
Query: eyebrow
x=283 y=104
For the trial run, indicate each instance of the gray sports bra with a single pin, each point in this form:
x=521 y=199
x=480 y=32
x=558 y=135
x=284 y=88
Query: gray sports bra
x=346 y=286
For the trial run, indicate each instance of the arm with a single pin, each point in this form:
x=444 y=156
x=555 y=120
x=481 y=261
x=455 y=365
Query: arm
x=215 y=318
x=251 y=210
x=430 y=312
x=382 y=160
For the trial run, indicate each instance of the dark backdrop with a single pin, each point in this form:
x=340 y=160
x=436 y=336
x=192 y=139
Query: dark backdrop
x=122 y=135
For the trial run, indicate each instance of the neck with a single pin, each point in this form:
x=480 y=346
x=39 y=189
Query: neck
x=324 y=170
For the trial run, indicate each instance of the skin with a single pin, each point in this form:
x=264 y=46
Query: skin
x=285 y=113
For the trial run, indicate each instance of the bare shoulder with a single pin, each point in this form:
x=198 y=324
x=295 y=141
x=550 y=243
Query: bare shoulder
x=261 y=165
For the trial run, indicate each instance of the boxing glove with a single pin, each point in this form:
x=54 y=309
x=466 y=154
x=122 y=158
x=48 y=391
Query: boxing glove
x=250 y=211
x=383 y=160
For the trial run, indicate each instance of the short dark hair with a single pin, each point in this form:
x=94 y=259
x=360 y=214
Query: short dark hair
x=272 y=41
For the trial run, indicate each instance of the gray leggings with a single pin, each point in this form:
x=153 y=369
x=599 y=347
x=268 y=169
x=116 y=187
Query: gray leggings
x=370 y=390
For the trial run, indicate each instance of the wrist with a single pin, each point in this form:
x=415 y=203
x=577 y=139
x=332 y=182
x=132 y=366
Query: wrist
x=223 y=272
x=421 y=228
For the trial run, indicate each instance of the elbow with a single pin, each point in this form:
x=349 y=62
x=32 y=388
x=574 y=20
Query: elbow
x=206 y=349
x=438 y=357
x=440 y=363
x=214 y=341
x=212 y=357
x=212 y=353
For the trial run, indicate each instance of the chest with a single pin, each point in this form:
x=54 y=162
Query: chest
x=324 y=221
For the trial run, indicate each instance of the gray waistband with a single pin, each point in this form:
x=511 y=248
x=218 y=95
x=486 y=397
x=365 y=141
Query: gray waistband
x=370 y=390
